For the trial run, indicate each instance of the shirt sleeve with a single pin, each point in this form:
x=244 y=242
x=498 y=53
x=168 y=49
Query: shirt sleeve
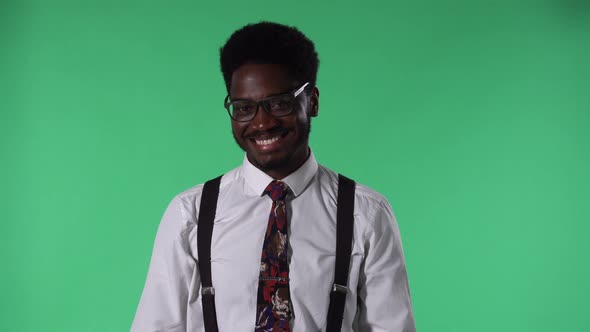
x=384 y=297
x=163 y=303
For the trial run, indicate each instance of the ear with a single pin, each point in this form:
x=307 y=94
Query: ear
x=314 y=100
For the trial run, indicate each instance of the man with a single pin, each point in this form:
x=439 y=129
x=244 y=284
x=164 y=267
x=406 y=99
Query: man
x=273 y=243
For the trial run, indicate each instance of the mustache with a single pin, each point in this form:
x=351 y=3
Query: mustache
x=270 y=132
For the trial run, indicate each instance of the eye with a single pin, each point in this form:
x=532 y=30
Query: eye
x=280 y=104
x=243 y=108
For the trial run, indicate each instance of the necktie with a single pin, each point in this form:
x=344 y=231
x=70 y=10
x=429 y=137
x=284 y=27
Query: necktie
x=273 y=311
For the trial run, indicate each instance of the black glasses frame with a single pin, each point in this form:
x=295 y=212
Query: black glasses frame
x=264 y=102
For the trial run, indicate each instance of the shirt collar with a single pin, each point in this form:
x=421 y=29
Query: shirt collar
x=297 y=181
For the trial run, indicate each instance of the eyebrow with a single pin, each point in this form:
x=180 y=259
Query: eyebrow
x=269 y=96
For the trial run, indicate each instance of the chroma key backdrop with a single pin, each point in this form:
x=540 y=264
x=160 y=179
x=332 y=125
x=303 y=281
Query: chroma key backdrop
x=472 y=117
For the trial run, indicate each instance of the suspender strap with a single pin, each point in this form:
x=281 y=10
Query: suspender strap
x=344 y=230
x=204 y=232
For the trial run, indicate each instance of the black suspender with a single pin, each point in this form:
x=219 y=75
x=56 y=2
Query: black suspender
x=344 y=230
x=204 y=231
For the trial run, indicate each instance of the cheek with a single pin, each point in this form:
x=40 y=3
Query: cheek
x=237 y=128
x=302 y=121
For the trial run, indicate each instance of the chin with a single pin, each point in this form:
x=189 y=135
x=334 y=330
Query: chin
x=269 y=163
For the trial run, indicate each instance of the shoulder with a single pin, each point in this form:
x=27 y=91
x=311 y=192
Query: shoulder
x=372 y=205
x=369 y=205
x=373 y=215
x=362 y=192
x=189 y=200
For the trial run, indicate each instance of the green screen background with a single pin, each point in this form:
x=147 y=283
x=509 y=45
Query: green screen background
x=472 y=117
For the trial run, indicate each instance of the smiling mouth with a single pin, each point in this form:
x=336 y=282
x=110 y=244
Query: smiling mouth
x=267 y=141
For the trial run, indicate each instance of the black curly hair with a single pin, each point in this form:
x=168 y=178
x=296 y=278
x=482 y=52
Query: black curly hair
x=274 y=43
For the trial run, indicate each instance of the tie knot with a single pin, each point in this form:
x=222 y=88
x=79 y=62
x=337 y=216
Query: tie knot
x=276 y=190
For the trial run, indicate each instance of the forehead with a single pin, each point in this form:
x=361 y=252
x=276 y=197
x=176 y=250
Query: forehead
x=258 y=81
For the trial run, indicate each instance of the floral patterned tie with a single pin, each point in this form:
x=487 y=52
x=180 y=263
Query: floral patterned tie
x=273 y=311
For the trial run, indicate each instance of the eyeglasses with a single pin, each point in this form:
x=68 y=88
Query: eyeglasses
x=279 y=105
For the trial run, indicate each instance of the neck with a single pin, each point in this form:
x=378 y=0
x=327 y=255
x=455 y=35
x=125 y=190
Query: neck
x=281 y=172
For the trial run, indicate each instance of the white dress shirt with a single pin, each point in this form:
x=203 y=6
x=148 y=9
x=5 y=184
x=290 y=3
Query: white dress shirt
x=378 y=298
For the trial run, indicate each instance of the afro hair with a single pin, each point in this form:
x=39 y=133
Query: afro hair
x=272 y=43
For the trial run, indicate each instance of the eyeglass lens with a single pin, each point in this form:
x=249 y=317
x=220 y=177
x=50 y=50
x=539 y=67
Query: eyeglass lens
x=246 y=110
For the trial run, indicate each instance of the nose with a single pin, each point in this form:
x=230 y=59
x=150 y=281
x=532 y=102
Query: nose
x=263 y=120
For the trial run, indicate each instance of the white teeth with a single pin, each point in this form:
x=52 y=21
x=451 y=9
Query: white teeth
x=267 y=141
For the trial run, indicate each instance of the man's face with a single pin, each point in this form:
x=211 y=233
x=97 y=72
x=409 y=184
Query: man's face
x=275 y=145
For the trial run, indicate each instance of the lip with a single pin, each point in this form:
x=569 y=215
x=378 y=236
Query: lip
x=268 y=142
